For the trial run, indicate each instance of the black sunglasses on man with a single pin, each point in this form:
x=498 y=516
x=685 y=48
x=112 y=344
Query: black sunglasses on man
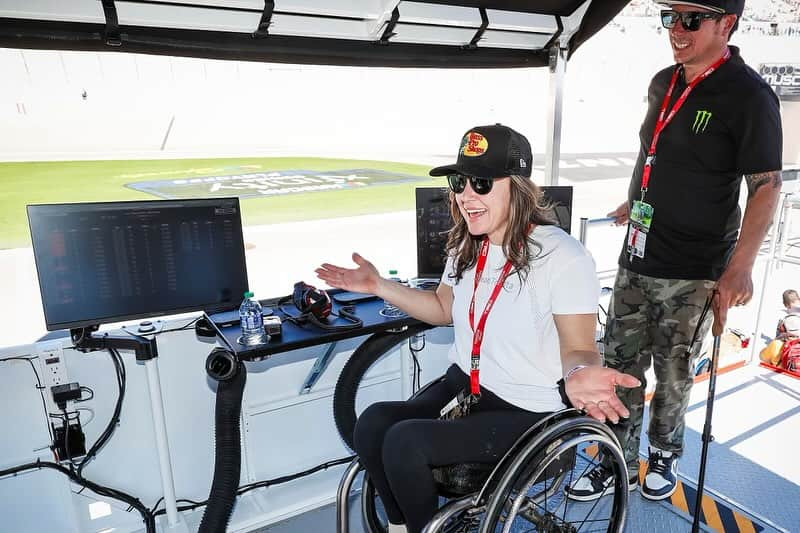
x=690 y=20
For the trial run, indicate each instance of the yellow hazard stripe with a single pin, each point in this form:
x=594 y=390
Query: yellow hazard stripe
x=711 y=507
x=711 y=514
x=642 y=471
x=678 y=499
x=744 y=523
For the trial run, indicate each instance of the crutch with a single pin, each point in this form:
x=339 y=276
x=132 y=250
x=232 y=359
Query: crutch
x=716 y=329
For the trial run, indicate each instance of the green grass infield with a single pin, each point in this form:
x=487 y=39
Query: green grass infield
x=100 y=181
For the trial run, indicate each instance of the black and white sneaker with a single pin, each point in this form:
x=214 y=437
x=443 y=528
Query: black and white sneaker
x=597 y=482
x=661 y=479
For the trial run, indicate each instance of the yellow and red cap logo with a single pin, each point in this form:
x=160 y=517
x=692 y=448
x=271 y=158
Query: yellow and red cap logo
x=474 y=144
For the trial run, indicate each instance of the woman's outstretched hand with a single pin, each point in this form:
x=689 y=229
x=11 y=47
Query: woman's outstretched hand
x=365 y=278
x=593 y=389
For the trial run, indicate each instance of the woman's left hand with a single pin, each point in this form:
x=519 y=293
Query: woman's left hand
x=593 y=389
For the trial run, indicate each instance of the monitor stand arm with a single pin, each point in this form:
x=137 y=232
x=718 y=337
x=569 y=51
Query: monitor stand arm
x=85 y=339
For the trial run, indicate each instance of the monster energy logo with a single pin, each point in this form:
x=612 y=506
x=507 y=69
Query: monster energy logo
x=701 y=119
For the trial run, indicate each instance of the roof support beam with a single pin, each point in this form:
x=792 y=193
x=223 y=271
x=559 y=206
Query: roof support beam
x=266 y=19
x=473 y=44
x=558 y=68
x=111 y=33
x=388 y=33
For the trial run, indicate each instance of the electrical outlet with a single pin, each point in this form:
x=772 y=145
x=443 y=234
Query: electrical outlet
x=54 y=368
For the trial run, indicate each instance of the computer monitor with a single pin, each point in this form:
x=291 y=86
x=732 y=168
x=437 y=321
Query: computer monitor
x=112 y=261
x=561 y=197
x=433 y=222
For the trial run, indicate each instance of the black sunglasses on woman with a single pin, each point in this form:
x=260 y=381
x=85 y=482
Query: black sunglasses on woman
x=458 y=182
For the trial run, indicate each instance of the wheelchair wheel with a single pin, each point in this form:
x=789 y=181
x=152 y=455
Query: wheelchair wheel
x=530 y=494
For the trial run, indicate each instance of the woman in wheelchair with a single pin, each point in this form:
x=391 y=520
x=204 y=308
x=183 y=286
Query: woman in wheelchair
x=522 y=297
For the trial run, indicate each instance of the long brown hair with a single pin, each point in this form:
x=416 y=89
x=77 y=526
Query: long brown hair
x=528 y=206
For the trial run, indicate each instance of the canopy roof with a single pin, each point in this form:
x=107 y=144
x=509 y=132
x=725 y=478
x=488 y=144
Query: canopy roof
x=382 y=33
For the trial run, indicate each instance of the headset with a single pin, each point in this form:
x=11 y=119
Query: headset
x=315 y=307
x=310 y=300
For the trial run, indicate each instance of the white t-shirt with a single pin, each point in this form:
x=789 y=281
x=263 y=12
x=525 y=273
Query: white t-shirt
x=520 y=358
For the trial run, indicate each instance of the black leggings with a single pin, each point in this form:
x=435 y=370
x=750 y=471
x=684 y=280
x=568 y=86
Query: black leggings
x=399 y=443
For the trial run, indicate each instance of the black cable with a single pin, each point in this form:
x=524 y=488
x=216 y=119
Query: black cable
x=155 y=510
x=109 y=430
x=191 y=323
x=76 y=415
x=134 y=503
x=187 y=326
x=291 y=477
x=38 y=386
x=416 y=381
x=304 y=318
x=82 y=399
x=66 y=440
x=256 y=485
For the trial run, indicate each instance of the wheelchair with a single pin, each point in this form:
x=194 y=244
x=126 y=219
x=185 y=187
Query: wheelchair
x=524 y=491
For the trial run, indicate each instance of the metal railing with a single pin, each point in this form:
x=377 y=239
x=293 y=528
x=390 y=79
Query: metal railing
x=776 y=254
x=586 y=223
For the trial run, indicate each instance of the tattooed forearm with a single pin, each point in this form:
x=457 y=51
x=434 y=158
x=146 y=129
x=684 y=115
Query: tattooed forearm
x=756 y=181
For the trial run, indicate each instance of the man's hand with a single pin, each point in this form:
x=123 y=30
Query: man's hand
x=735 y=287
x=620 y=214
x=593 y=389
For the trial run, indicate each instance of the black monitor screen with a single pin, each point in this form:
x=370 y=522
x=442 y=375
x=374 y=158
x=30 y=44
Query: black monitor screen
x=433 y=222
x=561 y=197
x=106 y=262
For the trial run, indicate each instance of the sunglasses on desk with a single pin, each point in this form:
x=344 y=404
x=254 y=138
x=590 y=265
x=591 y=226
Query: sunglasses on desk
x=458 y=182
x=690 y=20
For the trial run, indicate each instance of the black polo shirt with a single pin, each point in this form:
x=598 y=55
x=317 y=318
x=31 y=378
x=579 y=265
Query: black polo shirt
x=729 y=126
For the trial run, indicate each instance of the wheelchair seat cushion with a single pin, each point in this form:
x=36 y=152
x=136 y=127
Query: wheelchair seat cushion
x=461 y=479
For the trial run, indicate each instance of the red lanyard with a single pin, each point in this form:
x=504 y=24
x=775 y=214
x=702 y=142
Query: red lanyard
x=477 y=333
x=662 y=122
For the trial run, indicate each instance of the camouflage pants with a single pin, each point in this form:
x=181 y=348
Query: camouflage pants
x=653 y=319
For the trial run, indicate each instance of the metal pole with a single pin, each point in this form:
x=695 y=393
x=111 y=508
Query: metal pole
x=584 y=227
x=343 y=496
x=773 y=239
x=707 y=438
x=783 y=231
x=588 y=222
x=162 y=444
x=558 y=67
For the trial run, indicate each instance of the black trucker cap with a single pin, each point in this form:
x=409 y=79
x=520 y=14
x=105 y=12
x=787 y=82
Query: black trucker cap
x=491 y=152
x=733 y=7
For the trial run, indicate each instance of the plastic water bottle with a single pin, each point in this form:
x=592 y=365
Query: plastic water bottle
x=389 y=310
x=393 y=276
x=251 y=321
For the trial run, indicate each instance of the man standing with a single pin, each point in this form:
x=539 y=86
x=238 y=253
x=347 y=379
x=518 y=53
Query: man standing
x=711 y=120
